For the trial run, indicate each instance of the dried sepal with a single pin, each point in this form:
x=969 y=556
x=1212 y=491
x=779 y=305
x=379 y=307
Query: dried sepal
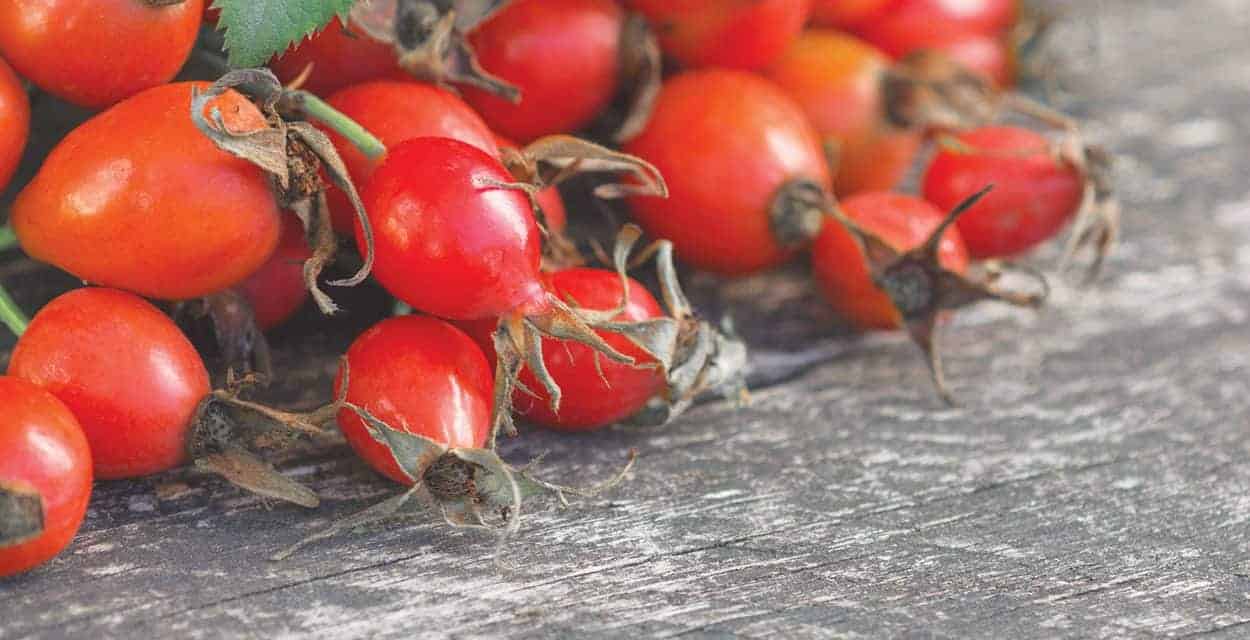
x=796 y=213
x=550 y=160
x=1097 y=224
x=641 y=73
x=385 y=510
x=21 y=514
x=430 y=40
x=530 y=484
x=292 y=153
x=316 y=141
x=227 y=430
x=921 y=288
x=468 y=487
x=927 y=90
x=694 y=356
x=519 y=343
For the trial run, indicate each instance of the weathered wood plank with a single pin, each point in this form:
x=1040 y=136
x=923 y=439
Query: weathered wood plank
x=1096 y=482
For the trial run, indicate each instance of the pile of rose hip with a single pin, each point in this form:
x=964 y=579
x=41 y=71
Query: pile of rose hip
x=421 y=142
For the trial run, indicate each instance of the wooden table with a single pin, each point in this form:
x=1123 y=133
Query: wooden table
x=1096 y=482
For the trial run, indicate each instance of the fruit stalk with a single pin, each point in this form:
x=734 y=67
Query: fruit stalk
x=8 y=238
x=321 y=111
x=11 y=314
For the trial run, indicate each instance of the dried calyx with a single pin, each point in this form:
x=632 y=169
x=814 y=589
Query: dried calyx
x=550 y=160
x=921 y=289
x=1096 y=227
x=691 y=355
x=21 y=515
x=429 y=37
x=797 y=212
x=227 y=431
x=1097 y=224
x=929 y=91
x=703 y=358
x=292 y=152
x=468 y=488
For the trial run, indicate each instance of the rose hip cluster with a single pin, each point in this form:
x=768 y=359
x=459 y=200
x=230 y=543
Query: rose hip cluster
x=423 y=144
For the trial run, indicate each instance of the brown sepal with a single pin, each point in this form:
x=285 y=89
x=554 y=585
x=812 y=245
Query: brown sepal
x=921 y=288
x=468 y=488
x=550 y=160
x=430 y=39
x=292 y=152
x=21 y=514
x=1097 y=224
x=227 y=431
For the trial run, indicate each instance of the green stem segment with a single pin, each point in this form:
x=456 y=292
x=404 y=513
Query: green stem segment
x=11 y=315
x=8 y=239
x=338 y=121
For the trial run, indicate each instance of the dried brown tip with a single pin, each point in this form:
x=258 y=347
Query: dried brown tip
x=928 y=90
x=797 y=212
x=226 y=431
x=1097 y=225
x=468 y=488
x=694 y=356
x=519 y=343
x=292 y=153
x=429 y=39
x=21 y=514
x=550 y=160
x=921 y=288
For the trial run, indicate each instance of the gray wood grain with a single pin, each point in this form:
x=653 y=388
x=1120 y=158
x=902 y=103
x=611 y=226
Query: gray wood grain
x=1096 y=482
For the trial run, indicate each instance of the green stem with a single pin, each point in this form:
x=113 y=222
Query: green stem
x=340 y=123
x=11 y=315
x=8 y=239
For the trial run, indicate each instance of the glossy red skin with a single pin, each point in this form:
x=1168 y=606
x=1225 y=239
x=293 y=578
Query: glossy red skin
x=97 y=53
x=446 y=245
x=735 y=34
x=904 y=222
x=1034 y=194
x=587 y=402
x=907 y=24
x=277 y=290
x=130 y=376
x=725 y=141
x=836 y=78
x=15 y=114
x=564 y=56
x=847 y=14
x=421 y=375
x=338 y=60
x=42 y=449
x=138 y=199
x=395 y=111
x=557 y=217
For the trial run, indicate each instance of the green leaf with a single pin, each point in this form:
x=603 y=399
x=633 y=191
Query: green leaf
x=256 y=30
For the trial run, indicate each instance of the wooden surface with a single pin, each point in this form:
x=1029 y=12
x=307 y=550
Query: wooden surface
x=1095 y=484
